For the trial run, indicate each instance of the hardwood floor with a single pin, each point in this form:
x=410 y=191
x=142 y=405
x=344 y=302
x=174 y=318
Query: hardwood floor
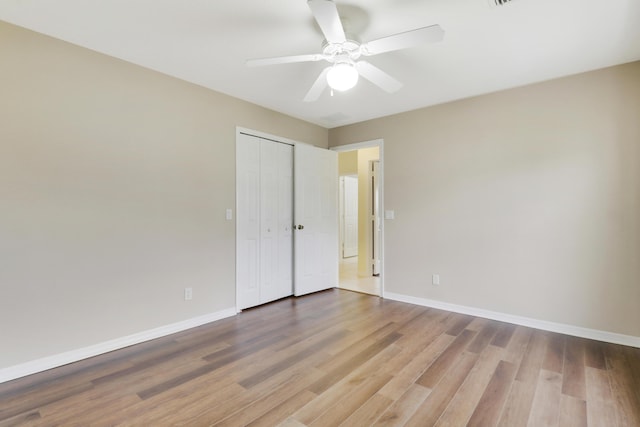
x=340 y=358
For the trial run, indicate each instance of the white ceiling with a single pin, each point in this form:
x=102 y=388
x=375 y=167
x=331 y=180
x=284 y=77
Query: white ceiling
x=485 y=48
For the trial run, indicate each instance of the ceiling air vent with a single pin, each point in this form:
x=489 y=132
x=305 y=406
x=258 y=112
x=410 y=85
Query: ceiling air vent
x=499 y=2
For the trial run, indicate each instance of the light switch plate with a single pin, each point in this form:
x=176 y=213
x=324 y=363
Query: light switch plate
x=389 y=214
x=229 y=214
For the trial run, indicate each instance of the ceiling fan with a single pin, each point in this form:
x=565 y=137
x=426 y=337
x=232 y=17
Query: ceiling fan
x=344 y=54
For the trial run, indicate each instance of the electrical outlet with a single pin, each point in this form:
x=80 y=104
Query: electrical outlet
x=188 y=294
x=435 y=279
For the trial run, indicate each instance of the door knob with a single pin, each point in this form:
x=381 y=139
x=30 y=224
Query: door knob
x=300 y=227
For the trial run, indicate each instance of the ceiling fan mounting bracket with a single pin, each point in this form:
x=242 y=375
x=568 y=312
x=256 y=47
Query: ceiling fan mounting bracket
x=347 y=51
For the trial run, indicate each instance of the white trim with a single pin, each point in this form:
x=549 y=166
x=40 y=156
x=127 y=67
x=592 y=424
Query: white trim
x=561 y=328
x=358 y=145
x=49 y=362
x=263 y=135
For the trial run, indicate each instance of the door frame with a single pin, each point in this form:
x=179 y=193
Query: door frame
x=369 y=144
x=375 y=216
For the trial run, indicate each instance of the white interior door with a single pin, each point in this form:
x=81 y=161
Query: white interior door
x=247 y=221
x=316 y=240
x=276 y=219
x=264 y=174
x=350 y=216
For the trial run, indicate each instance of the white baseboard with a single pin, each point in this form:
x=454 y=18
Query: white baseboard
x=561 y=328
x=49 y=362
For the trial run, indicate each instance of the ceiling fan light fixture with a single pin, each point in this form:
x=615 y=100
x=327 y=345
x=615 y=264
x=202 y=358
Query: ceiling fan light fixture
x=342 y=76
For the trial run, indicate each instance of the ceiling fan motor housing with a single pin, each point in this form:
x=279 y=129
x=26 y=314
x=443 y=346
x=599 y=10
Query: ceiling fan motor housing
x=348 y=50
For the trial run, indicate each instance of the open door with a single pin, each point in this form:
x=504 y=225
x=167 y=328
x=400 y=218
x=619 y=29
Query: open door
x=316 y=238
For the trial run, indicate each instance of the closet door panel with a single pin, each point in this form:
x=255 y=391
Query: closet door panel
x=276 y=165
x=285 y=220
x=268 y=222
x=248 y=222
x=264 y=220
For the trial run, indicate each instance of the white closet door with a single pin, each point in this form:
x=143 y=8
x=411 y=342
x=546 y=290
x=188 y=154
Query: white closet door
x=264 y=219
x=276 y=193
x=285 y=220
x=247 y=221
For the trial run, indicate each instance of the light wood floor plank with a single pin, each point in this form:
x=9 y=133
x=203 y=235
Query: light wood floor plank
x=285 y=392
x=348 y=384
x=489 y=408
x=623 y=386
x=404 y=407
x=439 y=398
x=351 y=402
x=343 y=369
x=503 y=335
x=601 y=409
x=290 y=422
x=517 y=408
x=573 y=369
x=460 y=323
x=280 y=413
x=357 y=346
x=532 y=360
x=545 y=410
x=554 y=356
x=410 y=373
x=26 y=418
x=594 y=355
x=518 y=344
x=369 y=412
x=633 y=363
x=483 y=337
x=446 y=360
x=573 y=412
x=466 y=400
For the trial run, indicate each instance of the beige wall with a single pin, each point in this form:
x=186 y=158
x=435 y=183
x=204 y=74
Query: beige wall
x=525 y=201
x=114 y=182
x=348 y=163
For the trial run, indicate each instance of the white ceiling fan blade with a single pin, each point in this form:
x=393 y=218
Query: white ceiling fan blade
x=431 y=34
x=378 y=77
x=326 y=14
x=285 y=59
x=318 y=87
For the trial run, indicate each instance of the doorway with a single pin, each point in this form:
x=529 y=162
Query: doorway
x=360 y=170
